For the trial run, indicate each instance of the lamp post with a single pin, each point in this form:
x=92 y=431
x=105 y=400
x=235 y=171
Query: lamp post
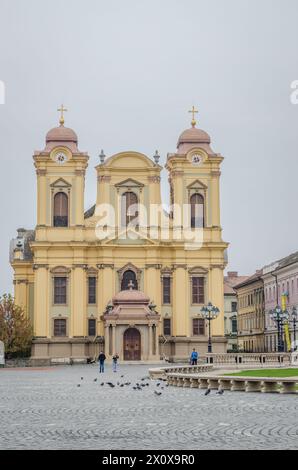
x=293 y=319
x=209 y=312
x=280 y=317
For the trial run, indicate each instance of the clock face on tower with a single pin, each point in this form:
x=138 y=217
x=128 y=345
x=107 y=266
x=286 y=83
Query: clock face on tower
x=61 y=158
x=196 y=159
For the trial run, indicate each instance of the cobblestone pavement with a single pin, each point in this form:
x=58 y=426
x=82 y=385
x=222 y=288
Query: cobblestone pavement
x=45 y=409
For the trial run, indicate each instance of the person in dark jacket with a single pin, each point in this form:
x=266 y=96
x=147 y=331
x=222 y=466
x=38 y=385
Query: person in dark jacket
x=101 y=360
x=194 y=357
x=115 y=362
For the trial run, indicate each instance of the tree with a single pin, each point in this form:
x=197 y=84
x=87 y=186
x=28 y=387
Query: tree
x=15 y=328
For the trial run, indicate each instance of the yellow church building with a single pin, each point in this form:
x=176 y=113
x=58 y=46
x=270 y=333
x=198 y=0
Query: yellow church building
x=127 y=276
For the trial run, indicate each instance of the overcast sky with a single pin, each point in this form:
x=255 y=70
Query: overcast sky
x=128 y=71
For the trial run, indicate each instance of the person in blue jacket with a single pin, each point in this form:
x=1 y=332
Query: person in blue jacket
x=194 y=357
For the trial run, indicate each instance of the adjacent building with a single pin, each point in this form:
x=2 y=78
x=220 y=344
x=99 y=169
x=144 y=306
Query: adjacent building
x=251 y=313
x=280 y=277
x=231 y=309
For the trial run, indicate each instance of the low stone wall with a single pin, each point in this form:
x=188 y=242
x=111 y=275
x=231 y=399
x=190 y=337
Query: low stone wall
x=18 y=362
x=255 y=359
x=234 y=383
x=163 y=371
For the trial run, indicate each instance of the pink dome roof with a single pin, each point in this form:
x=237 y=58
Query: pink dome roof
x=61 y=134
x=194 y=136
x=131 y=296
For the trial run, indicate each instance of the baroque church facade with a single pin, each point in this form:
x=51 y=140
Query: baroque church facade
x=125 y=276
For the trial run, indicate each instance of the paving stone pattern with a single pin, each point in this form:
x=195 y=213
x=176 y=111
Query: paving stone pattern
x=45 y=409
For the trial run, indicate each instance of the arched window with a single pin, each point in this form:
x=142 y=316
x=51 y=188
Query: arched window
x=129 y=277
x=60 y=210
x=129 y=209
x=197 y=211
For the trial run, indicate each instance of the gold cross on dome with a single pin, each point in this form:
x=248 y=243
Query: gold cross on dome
x=193 y=111
x=62 y=111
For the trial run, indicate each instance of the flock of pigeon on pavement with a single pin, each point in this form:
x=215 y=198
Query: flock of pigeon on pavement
x=144 y=383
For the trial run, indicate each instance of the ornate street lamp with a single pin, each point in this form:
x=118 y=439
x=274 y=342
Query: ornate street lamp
x=293 y=319
x=209 y=312
x=280 y=317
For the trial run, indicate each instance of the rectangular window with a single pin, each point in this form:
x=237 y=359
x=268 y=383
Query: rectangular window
x=167 y=326
x=234 y=325
x=60 y=284
x=166 y=290
x=60 y=327
x=92 y=290
x=234 y=306
x=91 y=327
x=198 y=296
x=198 y=326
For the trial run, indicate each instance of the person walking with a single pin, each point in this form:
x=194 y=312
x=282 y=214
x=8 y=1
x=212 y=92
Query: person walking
x=194 y=357
x=101 y=360
x=115 y=362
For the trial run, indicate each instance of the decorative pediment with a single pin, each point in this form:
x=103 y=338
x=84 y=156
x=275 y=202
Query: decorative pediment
x=166 y=271
x=130 y=236
x=60 y=270
x=198 y=270
x=60 y=183
x=129 y=183
x=197 y=184
x=129 y=267
x=93 y=272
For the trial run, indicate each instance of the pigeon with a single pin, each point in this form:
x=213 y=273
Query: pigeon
x=118 y=383
x=135 y=388
x=95 y=380
x=82 y=378
x=158 y=384
x=207 y=392
x=122 y=376
x=167 y=385
x=220 y=391
x=143 y=385
x=157 y=393
x=110 y=384
x=162 y=388
x=102 y=383
x=122 y=385
x=78 y=385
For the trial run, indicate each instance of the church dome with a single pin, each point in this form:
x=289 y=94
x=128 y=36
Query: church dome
x=134 y=296
x=61 y=134
x=194 y=136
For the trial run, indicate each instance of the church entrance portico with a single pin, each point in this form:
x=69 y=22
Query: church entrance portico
x=131 y=327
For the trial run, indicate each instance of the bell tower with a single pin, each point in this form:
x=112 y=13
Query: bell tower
x=60 y=170
x=194 y=174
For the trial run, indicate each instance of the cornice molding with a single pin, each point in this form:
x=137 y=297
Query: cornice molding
x=40 y=266
x=176 y=173
x=105 y=265
x=80 y=172
x=153 y=265
x=104 y=178
x=41 y=172
x=154 y=179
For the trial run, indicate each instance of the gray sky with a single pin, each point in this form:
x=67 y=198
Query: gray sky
x=128 y=71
